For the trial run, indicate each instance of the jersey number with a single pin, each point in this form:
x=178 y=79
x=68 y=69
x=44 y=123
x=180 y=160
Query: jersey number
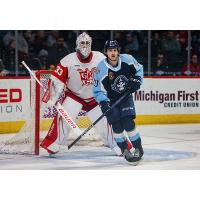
x=58 y=70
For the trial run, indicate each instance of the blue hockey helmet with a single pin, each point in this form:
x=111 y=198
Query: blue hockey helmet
x=111 y=44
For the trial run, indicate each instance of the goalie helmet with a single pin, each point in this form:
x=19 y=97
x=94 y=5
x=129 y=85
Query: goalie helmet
x=83 y=44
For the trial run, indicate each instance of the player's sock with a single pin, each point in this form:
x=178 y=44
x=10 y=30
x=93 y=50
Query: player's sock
x=122 y=143
x=136 y=141
x=120 y=140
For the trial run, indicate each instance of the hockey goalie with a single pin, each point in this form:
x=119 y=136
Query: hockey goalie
x=74 y=74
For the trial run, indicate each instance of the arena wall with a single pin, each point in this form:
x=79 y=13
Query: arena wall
x=160 y=100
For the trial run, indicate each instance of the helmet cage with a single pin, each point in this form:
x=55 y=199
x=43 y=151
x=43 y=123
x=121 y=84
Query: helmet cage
x=84 y=44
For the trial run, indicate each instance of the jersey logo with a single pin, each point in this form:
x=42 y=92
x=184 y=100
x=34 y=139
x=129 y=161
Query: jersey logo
x=111 y=75
x=87 y=76
x=120 y=84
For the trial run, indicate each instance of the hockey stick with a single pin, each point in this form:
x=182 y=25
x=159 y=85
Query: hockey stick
x=68 y=119
x=103 y=115
x=58 y=106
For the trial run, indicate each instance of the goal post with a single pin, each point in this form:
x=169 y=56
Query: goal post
x=37 y=112
x=45 y=114
x=37 y=119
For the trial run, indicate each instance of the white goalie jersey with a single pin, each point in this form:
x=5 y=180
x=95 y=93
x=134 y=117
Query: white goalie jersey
x=76 y=75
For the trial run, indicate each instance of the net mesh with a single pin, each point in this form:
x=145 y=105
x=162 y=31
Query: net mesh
x=92 y=138
x=23 y=142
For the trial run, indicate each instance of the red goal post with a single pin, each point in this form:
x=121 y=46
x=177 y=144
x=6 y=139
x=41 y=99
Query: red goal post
x=39 y=119
x=44 y=115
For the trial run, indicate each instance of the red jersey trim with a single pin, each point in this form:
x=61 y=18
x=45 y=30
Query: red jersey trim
x=61 y=73
x=86 y=60
x=87 y=106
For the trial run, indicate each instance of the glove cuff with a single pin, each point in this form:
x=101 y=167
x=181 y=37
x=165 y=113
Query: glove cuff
x=102 y=103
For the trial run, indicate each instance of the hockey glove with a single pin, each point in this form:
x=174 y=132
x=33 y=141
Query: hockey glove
x=133 y=85
x=105 y=106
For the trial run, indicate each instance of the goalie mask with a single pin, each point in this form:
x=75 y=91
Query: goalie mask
x=83 y=44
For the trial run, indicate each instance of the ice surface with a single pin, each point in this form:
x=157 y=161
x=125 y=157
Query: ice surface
x=165 y=147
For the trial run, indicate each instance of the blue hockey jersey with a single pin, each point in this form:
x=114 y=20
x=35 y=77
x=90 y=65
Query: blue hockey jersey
x=111 y=82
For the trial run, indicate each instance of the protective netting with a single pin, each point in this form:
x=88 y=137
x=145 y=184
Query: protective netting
x=25 y=142
x=47 y=113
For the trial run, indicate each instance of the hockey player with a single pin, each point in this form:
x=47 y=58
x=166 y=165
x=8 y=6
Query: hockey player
x=75 y=73
x=116 y=75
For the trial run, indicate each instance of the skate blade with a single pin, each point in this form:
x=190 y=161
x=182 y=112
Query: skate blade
x=135 y=163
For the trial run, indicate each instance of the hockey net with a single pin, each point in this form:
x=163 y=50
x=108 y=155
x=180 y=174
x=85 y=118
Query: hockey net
x=35 y=128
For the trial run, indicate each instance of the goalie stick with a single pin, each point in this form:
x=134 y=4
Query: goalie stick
x=58 y=106
x=68 y=119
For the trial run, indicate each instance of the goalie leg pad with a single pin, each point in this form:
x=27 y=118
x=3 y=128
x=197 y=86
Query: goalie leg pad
x=104 y=130
x=59 y=130
x=101 y=126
